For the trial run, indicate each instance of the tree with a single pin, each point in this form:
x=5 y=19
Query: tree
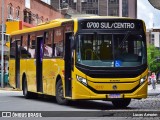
x=152 y=54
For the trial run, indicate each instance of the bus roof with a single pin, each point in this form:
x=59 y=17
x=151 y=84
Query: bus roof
x=58 y=22
x=43 y=26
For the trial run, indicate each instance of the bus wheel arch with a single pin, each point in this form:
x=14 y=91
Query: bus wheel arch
x=59 y=91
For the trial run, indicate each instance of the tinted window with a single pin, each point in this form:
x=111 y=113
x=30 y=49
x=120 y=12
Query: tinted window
x=13 y=49
x=48 y=44
x=32 y=43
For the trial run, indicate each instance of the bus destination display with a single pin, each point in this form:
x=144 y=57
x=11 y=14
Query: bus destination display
x=109 y=25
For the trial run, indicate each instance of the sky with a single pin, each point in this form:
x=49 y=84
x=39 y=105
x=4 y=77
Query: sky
x=148 y=13
x=46 y=1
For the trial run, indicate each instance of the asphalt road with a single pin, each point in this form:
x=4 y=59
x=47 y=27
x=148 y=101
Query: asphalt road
x=14 y=101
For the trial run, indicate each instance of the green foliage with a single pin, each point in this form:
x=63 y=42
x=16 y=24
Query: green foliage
x=152 y=54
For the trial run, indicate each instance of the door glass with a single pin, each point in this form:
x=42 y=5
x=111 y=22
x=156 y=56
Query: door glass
x=32 y=44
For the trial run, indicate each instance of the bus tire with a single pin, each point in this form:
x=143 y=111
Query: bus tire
x=121 y=103
x=59 y=94
x=26 y=94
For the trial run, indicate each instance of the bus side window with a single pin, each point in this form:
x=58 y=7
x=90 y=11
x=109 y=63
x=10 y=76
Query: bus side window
x=58 y=42
x=32 y=43
x=48 y=44
x=24 y=51
x=59 y=48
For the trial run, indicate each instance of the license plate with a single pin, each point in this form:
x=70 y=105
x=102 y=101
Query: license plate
x=114 y=96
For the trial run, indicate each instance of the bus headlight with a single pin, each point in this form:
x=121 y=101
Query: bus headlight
x=143 y=79
x=82 y=80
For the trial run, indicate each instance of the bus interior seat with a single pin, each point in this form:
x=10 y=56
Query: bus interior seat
x=105 y=51
x=87 y=51
x=88 y=54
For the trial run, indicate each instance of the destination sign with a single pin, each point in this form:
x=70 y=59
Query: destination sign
x=109 y=25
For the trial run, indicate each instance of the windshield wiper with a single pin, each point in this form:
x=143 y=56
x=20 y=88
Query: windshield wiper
x=124 y=39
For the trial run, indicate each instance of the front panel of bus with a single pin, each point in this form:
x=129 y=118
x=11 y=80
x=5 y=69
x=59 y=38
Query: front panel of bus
x=110 y=59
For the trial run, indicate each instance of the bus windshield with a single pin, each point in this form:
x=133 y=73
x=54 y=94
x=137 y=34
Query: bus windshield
x=111 y=50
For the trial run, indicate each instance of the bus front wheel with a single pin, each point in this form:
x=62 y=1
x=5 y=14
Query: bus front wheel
x=121 y=103
x=59 y=93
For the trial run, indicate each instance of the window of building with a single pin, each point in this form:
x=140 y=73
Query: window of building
x=152 y=39
x=41 y=19
x=10 y=11
x=27 y=16
x=90 y=7
x=7 y=37
x=125 y=8
x=37 y=19
x=113 y=7
x=17 y=13
x=114 y=1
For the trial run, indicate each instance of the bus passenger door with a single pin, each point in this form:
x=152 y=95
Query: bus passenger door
x=39 y=58
x=17 y=64
x=68 y=64
x=12 y=80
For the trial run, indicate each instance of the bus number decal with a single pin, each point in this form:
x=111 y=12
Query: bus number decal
x=92 y=24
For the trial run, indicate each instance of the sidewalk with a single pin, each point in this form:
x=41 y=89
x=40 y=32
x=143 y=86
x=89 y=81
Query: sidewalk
x=152 y=92
x=8 y=88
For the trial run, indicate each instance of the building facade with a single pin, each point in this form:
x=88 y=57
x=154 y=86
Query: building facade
x=148 y=36
x=153 y=37
x=31 y=12
x=21 y=14
x=122 y=8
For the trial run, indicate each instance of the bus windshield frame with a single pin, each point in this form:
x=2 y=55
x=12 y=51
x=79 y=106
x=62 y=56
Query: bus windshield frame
x=120 y=49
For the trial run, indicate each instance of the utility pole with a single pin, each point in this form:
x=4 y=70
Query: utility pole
x=2 y=48
x=59 y=6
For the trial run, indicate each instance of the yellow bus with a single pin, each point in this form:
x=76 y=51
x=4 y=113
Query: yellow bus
x=85 y=58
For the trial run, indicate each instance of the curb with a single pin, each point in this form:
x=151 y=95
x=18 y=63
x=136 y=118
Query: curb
x=153 y=94
x=9 y=89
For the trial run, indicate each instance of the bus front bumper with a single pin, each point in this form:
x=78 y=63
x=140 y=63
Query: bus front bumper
x=82 y=92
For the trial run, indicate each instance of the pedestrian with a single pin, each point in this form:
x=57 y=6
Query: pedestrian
x=153 y=80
